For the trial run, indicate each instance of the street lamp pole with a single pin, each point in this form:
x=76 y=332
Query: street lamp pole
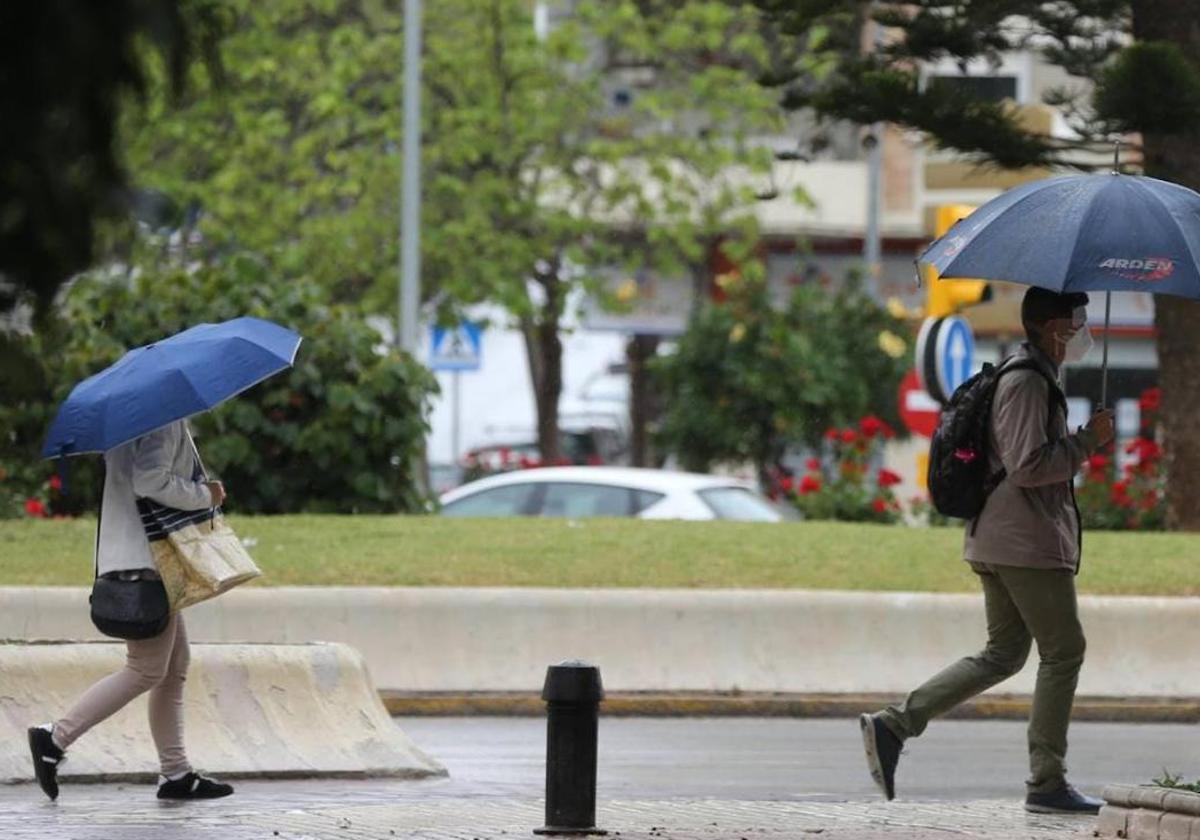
x=410 y=196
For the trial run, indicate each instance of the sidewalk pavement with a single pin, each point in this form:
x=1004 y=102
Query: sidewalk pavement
x=380 y=810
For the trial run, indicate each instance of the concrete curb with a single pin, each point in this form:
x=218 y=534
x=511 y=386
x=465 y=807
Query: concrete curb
x=682 y=704
x=1148 y=812
x=251 y=710
x=462 y=641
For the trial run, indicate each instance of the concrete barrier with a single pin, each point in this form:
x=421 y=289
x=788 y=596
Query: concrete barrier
x=432 y=639
x=251 y=710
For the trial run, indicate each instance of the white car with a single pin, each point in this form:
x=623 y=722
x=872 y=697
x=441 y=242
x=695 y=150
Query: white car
x=579 y=492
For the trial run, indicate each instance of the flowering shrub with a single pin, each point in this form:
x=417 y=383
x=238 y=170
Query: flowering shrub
x=840 y=485
x=1134 y=499
x=18 y=501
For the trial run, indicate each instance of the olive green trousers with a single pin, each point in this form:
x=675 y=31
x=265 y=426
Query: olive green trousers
x=1023 y=605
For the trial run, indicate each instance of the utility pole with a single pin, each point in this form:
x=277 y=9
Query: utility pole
x=872 y=251
x=410 y=195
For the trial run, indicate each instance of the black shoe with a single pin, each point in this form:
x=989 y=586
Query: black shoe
x=193 y=786
x=883 y=751
x=46 y=758
x=1065 y=800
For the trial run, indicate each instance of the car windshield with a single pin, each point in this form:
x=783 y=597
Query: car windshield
x=739 y=504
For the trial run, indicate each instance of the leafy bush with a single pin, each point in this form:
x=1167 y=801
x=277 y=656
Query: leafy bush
x=750 y=379
x=340 y=431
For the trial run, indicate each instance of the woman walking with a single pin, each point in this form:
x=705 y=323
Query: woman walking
x=163 y=467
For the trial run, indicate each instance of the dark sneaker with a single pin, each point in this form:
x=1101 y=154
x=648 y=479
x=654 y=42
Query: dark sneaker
x=193 y=786
x=46 y=758
x=883 y=751
x=1065 y=800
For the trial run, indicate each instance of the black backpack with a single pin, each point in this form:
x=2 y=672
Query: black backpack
x=959 y=479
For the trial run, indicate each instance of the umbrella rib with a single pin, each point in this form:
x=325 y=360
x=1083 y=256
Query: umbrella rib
x=1083 y=220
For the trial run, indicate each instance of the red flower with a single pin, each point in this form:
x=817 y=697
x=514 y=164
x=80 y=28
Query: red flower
x=879 y=506
x=887 y=478
x=1151 y=399
x=809 y=484
x=525 y=462
x=594 y=460
x=55 y=482
x=1119 y=494
x=888 y=431
x=870 y=425
x=1144 y=448
x=813 y=464
x=35 y=508
x=832 y=434
x=849 y=436
x=1097 y=463
x=1148 y=502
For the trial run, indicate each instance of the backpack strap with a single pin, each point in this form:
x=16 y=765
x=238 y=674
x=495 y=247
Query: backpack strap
x=1056 y=397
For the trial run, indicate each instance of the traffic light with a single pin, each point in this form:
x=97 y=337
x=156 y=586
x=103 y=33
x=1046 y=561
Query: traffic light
x=946 y=297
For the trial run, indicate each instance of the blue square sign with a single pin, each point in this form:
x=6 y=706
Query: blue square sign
x=456 y=348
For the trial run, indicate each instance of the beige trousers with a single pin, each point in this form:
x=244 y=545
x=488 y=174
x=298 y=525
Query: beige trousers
x=157 y=665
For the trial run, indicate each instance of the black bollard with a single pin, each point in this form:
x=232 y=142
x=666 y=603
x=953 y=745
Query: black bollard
x=572 y=693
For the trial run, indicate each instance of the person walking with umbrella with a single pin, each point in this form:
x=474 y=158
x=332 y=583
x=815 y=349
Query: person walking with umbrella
x=1025 y=547
x=135 y=413
x=161 y=466
x=1064 y=236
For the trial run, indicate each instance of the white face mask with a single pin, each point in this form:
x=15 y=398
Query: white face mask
x=1080 y=343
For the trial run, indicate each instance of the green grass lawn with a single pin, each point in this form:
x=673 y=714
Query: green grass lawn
x=430 y=551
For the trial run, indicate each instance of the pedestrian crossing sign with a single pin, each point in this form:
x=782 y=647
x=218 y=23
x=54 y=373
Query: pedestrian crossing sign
x=456 y=348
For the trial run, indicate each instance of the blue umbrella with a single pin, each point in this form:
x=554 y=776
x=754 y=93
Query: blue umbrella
x=160 y=383
x=1081 y=233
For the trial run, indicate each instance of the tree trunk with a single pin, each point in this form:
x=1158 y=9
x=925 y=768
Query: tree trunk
x=1176 y=158
x=543 y=348
x=643 y=405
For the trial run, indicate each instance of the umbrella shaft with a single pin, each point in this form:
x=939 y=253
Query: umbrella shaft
x=1104 y=362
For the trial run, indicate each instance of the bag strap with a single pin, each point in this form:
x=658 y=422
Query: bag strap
x=187 y=432
x=100 y=514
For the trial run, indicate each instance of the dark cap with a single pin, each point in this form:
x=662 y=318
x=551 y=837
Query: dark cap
x=1042 y=305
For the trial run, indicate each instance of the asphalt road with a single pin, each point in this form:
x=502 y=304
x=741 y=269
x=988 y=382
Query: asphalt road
x=791 y=759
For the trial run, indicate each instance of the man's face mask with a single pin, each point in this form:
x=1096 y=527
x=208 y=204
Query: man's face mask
x=1077 y=340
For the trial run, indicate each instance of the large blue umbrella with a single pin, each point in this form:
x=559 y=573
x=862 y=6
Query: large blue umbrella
x=160 y=383
x=1081 y=233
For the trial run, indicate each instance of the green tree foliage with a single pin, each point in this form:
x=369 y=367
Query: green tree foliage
x=751 y=378
x=338 y=432
x=534 y=174
x=544 y=180
x=64 y=67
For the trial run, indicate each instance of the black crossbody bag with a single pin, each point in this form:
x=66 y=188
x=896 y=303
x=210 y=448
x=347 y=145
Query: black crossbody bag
x=128 y=604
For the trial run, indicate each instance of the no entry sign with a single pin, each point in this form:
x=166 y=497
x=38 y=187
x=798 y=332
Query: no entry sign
x=918 y=410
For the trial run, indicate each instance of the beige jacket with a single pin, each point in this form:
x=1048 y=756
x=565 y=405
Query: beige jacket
x=1030 y=519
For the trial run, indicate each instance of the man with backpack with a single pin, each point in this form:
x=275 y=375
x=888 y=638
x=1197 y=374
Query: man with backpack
x=1023 y=541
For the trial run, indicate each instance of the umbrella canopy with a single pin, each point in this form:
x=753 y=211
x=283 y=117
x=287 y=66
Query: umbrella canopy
x=1081 y=233
x=160 y=383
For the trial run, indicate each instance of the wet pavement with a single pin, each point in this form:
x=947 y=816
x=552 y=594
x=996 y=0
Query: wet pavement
x=739 y=778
